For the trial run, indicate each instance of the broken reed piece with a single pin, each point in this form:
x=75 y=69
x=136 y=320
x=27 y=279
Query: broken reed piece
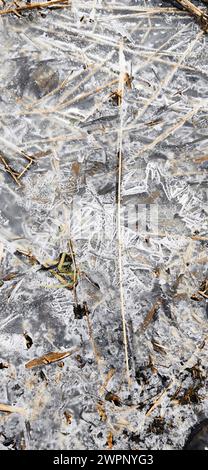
x=196 y=12
x=31 y=159
x=11 y=409
x=48 y=358
x=33 y=6
x=26 y=168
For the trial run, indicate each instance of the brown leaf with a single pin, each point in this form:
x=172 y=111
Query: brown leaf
x=47 y=359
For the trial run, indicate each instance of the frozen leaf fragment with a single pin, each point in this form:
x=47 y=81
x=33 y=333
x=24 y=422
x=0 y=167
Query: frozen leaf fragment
x=48 y=358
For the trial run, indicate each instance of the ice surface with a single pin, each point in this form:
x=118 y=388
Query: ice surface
x=60 y=76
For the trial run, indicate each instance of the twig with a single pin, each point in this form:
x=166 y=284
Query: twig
x=196 y=12
x=25 y=169
x=9 y=170
x=159 y=398
x=33 y=6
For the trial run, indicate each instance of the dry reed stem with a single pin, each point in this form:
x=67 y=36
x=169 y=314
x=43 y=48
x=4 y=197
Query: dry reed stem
x=196 y=12
x=120 y=238
x=33 y=6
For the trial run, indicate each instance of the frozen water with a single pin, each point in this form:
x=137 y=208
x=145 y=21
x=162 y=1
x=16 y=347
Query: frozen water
x=80 y=86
